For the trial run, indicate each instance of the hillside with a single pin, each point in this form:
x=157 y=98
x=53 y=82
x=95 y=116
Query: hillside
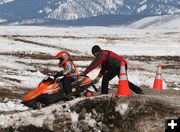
x=52 y=12
x=158 y=22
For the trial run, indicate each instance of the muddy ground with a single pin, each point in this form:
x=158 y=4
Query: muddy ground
x=170 y=63
x=108 y=113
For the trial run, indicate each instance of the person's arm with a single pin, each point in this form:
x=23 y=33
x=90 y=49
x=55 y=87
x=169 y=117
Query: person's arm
x=96 y=62
x=102 y=71
x=68 y=68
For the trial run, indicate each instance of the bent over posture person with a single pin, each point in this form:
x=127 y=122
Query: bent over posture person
x=110 y=67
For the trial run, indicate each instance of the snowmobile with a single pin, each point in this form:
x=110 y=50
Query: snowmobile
x=50 y=90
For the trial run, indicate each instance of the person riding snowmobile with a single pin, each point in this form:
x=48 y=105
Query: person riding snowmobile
x=70 y=71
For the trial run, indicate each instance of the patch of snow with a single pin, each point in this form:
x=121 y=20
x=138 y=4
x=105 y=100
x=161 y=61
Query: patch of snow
x=176 y=88
x=31 y=117
x=47 y=10
x=74 y=116
x=5 y=1
x=143 y=2
x=120 y=2
x=82 y=63
x=31 y=81
x=1 y=84
x=2 y=20
x=142 y=8
x=27 y=79
x=32 y=21
x=89 y=120
x=144 y=78
x=122 y=108
x=12 y=64
x=12 y=105
x=40 y=11
x=13 y=46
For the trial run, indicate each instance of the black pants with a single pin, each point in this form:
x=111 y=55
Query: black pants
x=110 y=74
x=67 y=84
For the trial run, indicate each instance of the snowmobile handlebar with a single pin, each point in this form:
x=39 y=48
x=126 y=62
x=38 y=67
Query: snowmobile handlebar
x=48 y=78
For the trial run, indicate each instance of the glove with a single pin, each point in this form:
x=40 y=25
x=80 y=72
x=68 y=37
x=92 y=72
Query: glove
x=96 y=80
x=58 y=74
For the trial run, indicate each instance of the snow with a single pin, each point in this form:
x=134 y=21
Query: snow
x=40 y=11
x=1 y=84
x=27 y=73
x=133 y=42
x=143 y=2
x=27 y=118
x=11 y=64
x=145 y=78
x=5 y=1
x=12 y=46
x=32 y=79
x=89 y=120
x=2 y=20
x=158 y=22
x=142 y=8
x=27 y=79
x=176 y=88
x=127 y=42
x=11 y=105
x=74 y=116
x=82 y=63
x=33 y=117
x=122 y=108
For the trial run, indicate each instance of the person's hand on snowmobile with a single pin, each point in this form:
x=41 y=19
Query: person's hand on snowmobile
x=96 y=80
x=58 y=74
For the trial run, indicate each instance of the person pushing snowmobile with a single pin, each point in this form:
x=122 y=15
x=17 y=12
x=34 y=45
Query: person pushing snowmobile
x=110 y=67
x=70 y=71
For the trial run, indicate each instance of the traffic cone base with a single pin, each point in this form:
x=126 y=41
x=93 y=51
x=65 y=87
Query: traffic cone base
x=158 y=85
x=123 y=87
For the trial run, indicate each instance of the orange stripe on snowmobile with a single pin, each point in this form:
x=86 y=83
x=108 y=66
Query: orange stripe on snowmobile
x=48 y=88
x=87 y=80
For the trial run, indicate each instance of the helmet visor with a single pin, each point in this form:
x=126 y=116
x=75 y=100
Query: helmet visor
x=61 y=60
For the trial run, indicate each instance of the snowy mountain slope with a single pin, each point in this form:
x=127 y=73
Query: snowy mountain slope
x=50 y=10
x=5 y=1
x=158 y=22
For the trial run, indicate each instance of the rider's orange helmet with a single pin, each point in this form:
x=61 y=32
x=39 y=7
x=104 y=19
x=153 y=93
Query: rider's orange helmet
x=63 y=57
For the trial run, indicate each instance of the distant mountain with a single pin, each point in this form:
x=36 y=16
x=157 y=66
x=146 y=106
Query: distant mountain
x=158 y=22
x=5 y=1
x=62 y=11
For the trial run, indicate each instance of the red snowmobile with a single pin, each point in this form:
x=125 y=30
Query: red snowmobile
x=51 y=90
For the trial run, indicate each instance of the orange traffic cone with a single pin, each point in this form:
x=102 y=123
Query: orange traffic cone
x=123 y=87
x=158 y=79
